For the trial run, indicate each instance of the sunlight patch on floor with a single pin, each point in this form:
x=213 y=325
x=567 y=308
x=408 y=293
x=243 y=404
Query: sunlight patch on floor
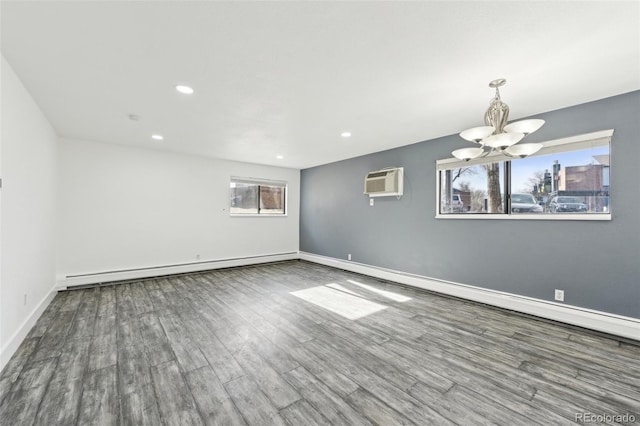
x=343 y=288
x=337 y=301
x=388 y=294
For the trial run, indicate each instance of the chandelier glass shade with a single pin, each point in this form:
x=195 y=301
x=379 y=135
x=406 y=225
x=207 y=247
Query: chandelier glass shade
x=467 y=153
x=498 y=136
x=477 y=134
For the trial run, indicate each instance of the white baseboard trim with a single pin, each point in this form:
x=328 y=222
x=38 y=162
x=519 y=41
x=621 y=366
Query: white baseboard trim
x=595 y=320
x=72 y=280
x=19 y=335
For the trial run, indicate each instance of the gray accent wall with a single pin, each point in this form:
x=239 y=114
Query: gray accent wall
x=596 y=263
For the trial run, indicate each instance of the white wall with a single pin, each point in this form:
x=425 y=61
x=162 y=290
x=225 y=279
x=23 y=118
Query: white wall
x=122 y=207
x=27 y=212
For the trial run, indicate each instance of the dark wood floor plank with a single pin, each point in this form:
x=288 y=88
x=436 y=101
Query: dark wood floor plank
x=72 y=301
x=440 y=365
x=175 y=401
x=133 y=368
x=51 y=343
x=628 y=388
x=155 y=340
x=585 y=353
x=359 y=357
x=128 y=330
x=140 y=408
x=395 y=397
x=423 y=373
x=565 y=386
x=141 y=301
x=61 y=400
x=300 y=413
x=268 y=380
x=180 y=304
x=102 y=355
x=355 y=332
x=186 y=350
x=220 y=359
x=442 y=403
x=100 y=404
x=190 y=300
x=376 y=410
x=567 y=408
x=327 y=402
x=214 y=403
x=255 y=407
x=535 y=351
x=499 y=375
x=107 y=302
x=84 y=320
x=323 y=370
x=73 y=361
x=14 y=367
x=20 y=407
x=469 y=341
x=60 y=403
x=125 y=306
x=512 y=411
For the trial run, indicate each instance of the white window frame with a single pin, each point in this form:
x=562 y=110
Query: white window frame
x=260 y=181
x=573 y=143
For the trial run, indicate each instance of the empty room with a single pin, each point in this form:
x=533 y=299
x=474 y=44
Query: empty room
x=319 y=213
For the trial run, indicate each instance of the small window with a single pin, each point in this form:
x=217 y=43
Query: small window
x=568 y=178
x=257 y=197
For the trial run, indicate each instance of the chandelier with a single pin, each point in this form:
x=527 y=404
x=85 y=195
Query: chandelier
x=498 y=136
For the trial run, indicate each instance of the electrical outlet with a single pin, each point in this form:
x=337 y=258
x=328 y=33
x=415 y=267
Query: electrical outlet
x=25 y=300
x=371 y=201
x=349 y=256
x=197 y=257
x=559 y=295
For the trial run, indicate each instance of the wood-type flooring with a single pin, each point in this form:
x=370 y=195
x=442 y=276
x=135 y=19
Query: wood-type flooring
x=296 y=343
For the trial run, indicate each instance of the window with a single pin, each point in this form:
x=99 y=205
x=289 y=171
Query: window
x=257 y=197
x=568 y=178
x=464 y=189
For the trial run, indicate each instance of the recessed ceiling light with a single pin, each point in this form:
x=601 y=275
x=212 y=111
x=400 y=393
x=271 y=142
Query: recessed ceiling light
x=279 y=157
x=345 y=134
x=157 y=137
x=184 y=89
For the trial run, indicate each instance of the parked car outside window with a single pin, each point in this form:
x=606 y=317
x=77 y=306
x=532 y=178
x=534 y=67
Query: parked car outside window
x=524 y=203
x=562 y=204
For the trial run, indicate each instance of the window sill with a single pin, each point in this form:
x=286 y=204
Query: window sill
x=524 y=216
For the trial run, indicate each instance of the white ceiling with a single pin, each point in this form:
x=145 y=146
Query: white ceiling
x=288 y=77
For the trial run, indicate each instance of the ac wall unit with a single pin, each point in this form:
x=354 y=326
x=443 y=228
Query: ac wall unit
x=384 y=183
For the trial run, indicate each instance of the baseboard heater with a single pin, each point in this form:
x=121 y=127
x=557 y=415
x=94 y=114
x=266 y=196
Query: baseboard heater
x=95 y=279
x=617 y=325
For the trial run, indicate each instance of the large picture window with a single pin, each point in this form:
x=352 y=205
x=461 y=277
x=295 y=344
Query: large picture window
x=568 y=178
x=257 y=197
